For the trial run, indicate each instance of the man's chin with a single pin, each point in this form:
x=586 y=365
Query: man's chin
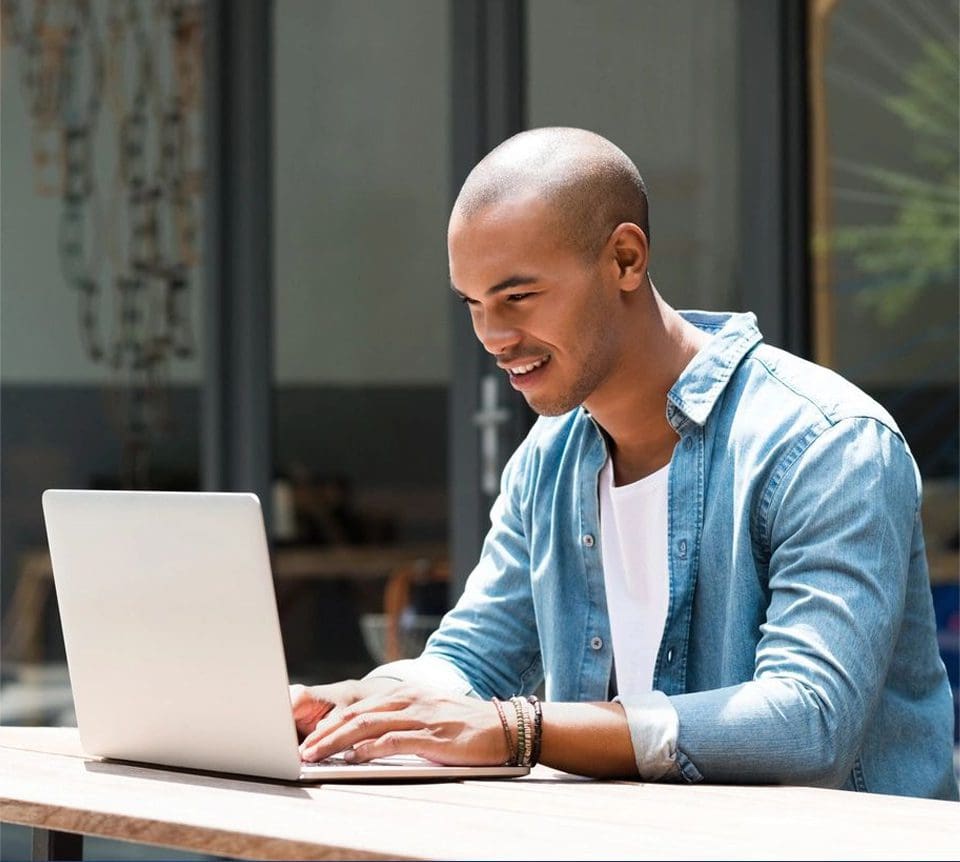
x=543 y=407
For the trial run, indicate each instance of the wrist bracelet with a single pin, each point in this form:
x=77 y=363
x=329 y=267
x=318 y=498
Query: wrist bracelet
x=528 y=726
x=511 y=756
x=525 y=725
x=521 y=757
x=537 y=728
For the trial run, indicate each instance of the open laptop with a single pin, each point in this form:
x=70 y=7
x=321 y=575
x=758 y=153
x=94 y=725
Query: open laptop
x=173 y=639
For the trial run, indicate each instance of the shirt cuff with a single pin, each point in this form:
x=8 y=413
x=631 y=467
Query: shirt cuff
x=654 y=728
x=425 y=670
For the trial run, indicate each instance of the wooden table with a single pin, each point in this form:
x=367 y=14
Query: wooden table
x=47 y=783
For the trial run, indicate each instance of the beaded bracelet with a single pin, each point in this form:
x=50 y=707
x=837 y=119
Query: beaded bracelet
x=525 y=741
x=528 y=721
x=518 y=706
x=528 y=724
x=537 y=728
x=511 y=755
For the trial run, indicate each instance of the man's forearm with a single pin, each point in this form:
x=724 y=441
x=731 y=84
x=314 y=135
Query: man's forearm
x=588 y=739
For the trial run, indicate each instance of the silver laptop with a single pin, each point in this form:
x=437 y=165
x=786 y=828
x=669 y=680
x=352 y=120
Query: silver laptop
x=173 y=640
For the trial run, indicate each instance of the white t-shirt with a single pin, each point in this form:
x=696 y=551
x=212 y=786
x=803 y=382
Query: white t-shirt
x=633 y=535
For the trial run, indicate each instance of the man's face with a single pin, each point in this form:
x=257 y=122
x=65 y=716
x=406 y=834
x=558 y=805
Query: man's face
x=541 y=309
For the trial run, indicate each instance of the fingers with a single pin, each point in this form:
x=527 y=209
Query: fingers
x=345 y=725
x=345 y=729
x=419 y=742
x=444 y=729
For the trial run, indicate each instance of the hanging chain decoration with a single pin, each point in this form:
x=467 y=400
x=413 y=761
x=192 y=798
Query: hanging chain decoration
x=133 y=258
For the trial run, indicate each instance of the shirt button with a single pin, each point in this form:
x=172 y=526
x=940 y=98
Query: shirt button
x=596 y=643
x=682 y=548
x=687 y=442
x=588 y=540
x=670 y=655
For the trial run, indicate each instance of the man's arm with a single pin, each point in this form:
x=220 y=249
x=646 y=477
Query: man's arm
x=839 y=557
x=487 y=645
x=584 y=738
x=840 y=529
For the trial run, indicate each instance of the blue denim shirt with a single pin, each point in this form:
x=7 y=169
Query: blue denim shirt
x=799 y=645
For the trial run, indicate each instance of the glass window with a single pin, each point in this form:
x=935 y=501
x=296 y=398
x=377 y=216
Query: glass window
x=884 y=101
x=362 y=353
x=659 y=80
x=100 y=280
x=100 y=264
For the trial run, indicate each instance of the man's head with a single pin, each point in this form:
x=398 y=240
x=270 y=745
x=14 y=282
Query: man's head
x=591 y=183
x=548 y=241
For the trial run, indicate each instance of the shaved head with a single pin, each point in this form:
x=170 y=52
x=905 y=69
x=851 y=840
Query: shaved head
x=590 y=184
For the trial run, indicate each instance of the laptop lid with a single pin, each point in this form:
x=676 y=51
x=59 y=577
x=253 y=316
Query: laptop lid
x=173 y=639
x=171 y=630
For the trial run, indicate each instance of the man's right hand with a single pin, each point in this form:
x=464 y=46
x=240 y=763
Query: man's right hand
x=312 y=702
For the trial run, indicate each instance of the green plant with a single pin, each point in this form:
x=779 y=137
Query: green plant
x=919 y=249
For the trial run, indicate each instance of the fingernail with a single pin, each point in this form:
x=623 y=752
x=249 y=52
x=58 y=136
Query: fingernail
x=349 y=755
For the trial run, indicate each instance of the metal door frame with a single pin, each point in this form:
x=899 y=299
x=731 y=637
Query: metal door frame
x=489 y=86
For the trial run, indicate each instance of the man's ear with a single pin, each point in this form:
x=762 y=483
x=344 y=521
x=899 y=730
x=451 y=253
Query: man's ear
x=630 y=252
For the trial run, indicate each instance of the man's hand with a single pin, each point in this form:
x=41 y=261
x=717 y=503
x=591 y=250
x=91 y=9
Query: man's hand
x=312 y=703
x=405 y=719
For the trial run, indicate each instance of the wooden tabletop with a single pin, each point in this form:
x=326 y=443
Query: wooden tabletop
x=46 y=781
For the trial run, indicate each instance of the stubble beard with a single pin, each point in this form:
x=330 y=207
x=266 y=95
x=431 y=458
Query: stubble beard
x=594 y=369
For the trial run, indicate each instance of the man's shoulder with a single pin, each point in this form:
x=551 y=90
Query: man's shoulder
x=788 y=417
x=785 y=382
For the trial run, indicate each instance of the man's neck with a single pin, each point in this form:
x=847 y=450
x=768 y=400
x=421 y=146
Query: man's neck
x=631 y=408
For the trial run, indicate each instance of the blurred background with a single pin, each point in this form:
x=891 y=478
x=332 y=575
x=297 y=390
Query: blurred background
x=223 y=263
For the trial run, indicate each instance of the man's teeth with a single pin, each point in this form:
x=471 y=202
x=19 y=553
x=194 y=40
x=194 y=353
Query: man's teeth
x=526 y=369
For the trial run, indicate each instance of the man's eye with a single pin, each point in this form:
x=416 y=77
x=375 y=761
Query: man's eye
x=518 y=297
x=467 y=301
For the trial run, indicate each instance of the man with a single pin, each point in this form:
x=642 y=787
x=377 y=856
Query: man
x=721 y=534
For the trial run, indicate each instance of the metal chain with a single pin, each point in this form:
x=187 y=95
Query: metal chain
x=139 y=255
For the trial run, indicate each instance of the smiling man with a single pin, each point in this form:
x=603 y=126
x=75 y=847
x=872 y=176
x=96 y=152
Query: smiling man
x=707 y=550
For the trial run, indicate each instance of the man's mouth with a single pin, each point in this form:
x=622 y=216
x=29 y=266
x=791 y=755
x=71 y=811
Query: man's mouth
x=526 y=368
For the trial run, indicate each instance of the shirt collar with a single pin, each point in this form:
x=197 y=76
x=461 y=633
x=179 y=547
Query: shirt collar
x=702 y=382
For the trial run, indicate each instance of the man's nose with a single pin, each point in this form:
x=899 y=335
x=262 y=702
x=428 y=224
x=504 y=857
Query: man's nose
x=495 y=335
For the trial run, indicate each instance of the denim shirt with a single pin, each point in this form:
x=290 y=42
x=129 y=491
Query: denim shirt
x=799 y=644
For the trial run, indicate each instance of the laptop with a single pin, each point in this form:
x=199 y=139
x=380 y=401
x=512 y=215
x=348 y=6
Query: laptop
x=173 y=639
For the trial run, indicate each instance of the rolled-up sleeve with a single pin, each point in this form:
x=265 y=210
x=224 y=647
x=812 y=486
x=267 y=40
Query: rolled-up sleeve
x=654 y=727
